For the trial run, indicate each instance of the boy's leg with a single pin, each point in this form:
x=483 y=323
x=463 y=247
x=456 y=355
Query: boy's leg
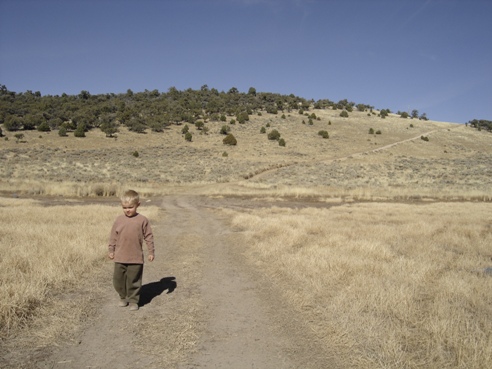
x=134 y=275
x=119 y=280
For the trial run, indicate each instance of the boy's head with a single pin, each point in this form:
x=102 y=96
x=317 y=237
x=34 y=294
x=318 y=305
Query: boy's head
x=130 y=201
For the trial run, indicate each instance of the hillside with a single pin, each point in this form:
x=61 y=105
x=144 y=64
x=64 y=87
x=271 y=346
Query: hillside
x=454 y=162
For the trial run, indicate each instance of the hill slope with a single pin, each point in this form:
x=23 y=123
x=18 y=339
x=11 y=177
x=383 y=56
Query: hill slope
x=455 y=159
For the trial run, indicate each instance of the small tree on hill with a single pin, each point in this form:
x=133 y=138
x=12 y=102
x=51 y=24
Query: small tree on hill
x=229 y=140
x=109 y=128
x=62 y=131
x=80 y=131
x=274 y=135
x=225 y=130
x=44 y=127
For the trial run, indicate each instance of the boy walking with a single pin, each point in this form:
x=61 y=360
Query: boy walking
x=125 y=249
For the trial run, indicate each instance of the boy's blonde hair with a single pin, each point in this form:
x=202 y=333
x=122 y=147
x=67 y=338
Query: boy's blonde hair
x=130 y=197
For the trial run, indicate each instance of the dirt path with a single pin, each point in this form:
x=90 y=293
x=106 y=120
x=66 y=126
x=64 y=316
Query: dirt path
x=203 y=306
x=267 y=172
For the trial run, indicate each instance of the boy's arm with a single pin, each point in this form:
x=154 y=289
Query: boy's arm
x=112 y=241
x=149 y=240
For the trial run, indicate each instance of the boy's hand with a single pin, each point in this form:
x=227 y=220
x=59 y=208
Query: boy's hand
x=111 y=255
x=151 y=257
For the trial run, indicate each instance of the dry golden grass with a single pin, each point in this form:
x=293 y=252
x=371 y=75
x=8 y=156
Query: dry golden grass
x=47 y=252
x=383 y=285
x=454 y=162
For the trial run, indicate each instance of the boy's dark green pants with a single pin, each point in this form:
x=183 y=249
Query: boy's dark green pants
x=127 y=281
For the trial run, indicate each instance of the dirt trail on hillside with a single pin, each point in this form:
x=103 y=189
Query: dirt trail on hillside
x=267 y=172
x=203 y=306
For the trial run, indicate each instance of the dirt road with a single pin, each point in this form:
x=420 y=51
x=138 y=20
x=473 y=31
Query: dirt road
x=203 y=306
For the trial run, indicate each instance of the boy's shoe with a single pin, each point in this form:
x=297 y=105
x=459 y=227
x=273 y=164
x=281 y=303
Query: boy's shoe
x=133 y=307
x=123 y=303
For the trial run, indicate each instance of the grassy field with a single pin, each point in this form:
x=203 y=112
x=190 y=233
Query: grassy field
x=383 y=285
x=50 y=252
x=386 y=267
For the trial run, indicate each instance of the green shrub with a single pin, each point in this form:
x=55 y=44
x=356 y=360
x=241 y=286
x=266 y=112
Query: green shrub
x=242 y=117
x=404 y=115
x=44 y=127
x=281 y=142
x=344 y=114
x=274 y=135
x=324 y=134
x=135 y=154
x=283 y=116
x=268 y=125
x=424 y=138
x=225 y=154
x=79 y=132
x=199 y=124
x=225 y=130
x=310 y=121
x=371 y=131
x=185 y=129
x=229 y=140
x=188 y=136
x=62 y=132
x=378 y=132
x=223 y=118
x=19 y=136
x=263 y=130
x=13 y=123
x=233 y=121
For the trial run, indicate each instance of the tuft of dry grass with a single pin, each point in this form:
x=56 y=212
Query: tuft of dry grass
x=383 y=285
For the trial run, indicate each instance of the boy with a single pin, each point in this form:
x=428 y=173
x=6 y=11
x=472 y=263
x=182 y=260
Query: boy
x=125 y=248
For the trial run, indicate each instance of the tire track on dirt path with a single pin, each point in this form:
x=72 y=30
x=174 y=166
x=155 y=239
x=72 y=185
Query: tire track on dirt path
x=246 y=324
x=238 y=332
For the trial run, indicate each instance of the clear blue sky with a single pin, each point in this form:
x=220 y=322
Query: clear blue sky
x=431 y=55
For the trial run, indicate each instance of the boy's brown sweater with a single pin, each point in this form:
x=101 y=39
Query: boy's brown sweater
x=126 y=239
